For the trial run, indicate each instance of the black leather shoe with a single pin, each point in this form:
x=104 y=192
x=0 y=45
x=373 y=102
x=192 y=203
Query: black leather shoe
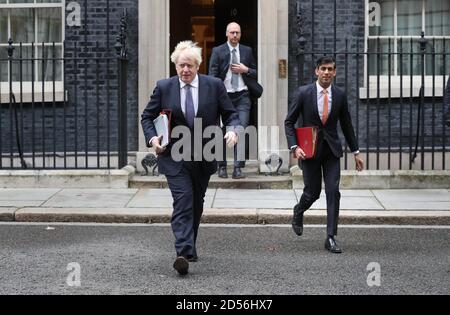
x=223 y=172
x=332 y=246
x=237 y=174
x=297 y=222
x=181 y=265
x=192 y=259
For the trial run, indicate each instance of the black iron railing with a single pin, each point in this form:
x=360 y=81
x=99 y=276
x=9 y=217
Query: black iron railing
x=64 y=107
x=395 y=92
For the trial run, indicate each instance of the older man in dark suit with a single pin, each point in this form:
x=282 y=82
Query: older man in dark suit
x=192 y=98
x=322 y=105
x=235 y=65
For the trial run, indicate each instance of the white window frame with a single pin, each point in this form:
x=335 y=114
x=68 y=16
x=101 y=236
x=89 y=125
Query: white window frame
x=396 y=79
x=27 y=86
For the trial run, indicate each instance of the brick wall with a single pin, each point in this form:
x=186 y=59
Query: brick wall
x=378 y=117
x=86 y=83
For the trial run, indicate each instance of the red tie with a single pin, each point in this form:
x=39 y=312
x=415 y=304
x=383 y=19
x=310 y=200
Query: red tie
x=325 y=106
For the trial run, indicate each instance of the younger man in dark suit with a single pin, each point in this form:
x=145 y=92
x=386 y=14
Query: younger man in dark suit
x=192 y=98
x=322 y=105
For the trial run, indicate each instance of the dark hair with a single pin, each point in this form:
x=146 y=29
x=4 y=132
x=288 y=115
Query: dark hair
x=326 y=60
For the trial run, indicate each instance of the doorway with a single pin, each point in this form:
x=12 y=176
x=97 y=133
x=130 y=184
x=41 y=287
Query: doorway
x=205 y=22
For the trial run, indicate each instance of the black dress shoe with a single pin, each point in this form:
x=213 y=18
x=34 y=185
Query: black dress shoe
x=192 y=259
x=332 y=246
x=297 y=221
x=181 y=265
x=237 y=174
x=223 y=172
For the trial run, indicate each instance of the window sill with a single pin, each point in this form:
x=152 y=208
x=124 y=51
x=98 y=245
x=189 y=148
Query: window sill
x=382 y=90
x=24 y=93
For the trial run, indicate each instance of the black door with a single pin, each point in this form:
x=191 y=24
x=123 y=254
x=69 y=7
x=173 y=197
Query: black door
x=205 y=22
x=180 y=25
x=243 y=12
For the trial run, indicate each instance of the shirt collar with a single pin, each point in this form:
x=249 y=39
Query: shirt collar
x=193 y=84
x=231 y=47
x=320 y=89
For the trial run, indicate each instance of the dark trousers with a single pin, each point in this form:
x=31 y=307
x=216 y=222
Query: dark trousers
x=188 y=191
x=243 y=105
x=329 y=166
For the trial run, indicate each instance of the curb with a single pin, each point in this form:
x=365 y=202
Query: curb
x=225 y=216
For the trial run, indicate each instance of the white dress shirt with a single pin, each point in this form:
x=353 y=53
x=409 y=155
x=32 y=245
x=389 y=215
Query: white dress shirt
x=227 y=82
x=194 y=89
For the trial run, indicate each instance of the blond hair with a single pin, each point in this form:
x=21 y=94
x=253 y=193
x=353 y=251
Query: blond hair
x=192 y=50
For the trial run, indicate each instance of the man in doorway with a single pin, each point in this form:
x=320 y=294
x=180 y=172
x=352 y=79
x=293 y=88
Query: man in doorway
x=322 y=105
x=235 y=65
x=190 y=97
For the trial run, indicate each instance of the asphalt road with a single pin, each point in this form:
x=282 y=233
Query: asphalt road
x=234 y=260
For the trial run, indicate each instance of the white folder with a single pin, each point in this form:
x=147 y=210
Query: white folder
x=163 y=129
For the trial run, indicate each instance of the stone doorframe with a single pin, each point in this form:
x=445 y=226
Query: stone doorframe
x=273 y=28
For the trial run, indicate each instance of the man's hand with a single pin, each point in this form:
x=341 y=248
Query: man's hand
x=156 y=144
x=299 y=154
x=231 y=139
x=359 y=163
x=239 y=68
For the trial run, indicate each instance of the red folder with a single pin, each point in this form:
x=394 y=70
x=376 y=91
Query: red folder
x=307 y=140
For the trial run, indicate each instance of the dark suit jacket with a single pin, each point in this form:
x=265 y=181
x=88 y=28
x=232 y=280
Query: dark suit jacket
x=220 y=64
x=305 y=103
x=213 y=103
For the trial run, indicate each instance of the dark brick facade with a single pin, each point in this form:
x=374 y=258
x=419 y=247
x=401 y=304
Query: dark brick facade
x=97 y=31
x=378 y=119
x=85 y=109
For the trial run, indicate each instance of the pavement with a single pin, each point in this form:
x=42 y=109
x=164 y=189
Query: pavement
x=222 y=206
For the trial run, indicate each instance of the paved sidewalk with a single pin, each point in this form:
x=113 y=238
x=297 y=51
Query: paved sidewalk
x=222 y=206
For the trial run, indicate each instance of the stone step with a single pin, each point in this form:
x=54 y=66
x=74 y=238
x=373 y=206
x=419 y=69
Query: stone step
x=253 y=181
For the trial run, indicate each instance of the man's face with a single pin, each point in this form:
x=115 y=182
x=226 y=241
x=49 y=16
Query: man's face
x=326 y=74
x=234 y=34
x=187 y=68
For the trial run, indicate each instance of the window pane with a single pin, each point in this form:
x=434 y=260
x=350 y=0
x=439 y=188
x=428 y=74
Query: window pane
x=409 y=54
x=22 y=25
x=381 y=60
x=409 y=17
x=3 y=64
x=25 y=69
x=439 y=64
x=51 y=57
x=49 y=25
x=48 y=1
x=381 y=19
x=437 y=18
x=3 y=26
